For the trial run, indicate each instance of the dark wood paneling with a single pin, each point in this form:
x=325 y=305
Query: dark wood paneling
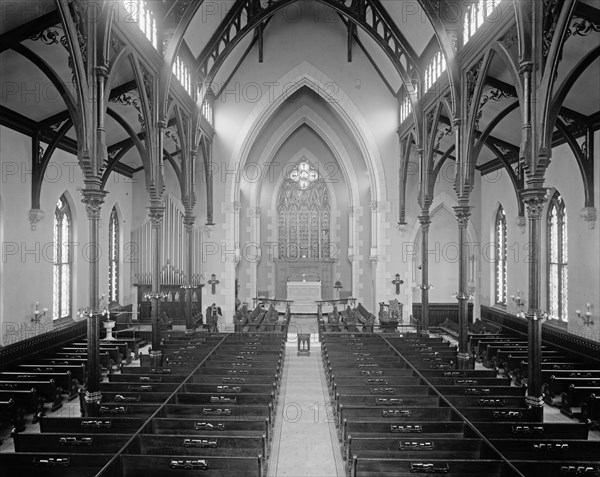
x=438 y=312
x=587 y=349
x=23 y=349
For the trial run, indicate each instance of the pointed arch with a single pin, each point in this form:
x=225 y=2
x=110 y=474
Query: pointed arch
x=500 y=257
x=62 y=286
x=557 y=277
x=114 y=255
x=308 y=75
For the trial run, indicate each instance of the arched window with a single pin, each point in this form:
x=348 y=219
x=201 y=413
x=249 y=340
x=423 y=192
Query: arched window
x=113 y=256
x=63 y=260
x=558 y=277
x=304 y=215
x=500 y=256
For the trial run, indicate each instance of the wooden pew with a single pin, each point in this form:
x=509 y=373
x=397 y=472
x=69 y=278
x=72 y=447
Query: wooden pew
x=64 y=381
x=71 y=443
x=187 y=466
x=576 y=396
x=45 y=389
x=95 y=425
x=51 y=464
x=532 y=430
x=13 y=414
x=28 y=400
x=368 y=467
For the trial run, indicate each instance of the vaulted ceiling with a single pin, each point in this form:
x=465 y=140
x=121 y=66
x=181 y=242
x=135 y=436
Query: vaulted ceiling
x=30 y=35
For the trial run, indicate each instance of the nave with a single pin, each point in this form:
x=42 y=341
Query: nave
x=356 y=404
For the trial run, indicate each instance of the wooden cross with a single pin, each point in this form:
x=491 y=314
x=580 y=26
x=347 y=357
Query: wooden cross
x=213 y=282
x=397 y=282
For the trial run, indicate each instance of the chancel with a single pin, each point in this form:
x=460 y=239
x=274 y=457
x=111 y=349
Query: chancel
x=299 y=237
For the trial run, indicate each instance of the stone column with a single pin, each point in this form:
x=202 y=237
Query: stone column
x=463 y=212
x=534 y=200
x=93 y=200
x=190 y=326
x=425 y=222
x=156 y=214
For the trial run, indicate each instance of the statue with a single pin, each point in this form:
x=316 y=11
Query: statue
x=212 y=317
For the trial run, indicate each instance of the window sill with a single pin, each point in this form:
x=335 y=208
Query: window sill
x=558 y=324
x=62 y=322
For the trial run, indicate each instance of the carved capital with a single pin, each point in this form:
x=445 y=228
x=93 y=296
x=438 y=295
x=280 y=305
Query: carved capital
x=156 y=215
x=462 y=212
x=425 y=221
x=534 y=200
x=525 y=67
x=589 y=214
x=35 y=215
x=456 y=122
x=189 y=221
x=102 y=71
x=93 y=200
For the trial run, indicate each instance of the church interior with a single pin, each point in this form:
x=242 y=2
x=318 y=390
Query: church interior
x=300 y=238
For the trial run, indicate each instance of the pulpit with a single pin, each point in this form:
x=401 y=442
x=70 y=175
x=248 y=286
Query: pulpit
x=304 y=294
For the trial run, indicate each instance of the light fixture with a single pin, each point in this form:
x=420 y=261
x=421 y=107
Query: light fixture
x=149 y=295
x=586 y=316
x=462 y=296
x=425 y=286
x=517 y=300
x=100 y=309
x=37 y=313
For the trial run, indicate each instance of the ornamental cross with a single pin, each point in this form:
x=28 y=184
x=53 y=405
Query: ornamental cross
x=397 y=282
x=213 y=282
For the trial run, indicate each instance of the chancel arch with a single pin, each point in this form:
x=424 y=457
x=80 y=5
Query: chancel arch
x=308 y=77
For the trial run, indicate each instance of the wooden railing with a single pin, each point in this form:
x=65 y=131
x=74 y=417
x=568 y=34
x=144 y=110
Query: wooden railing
x=588 y=349
x=438 y=312
x=23 y=349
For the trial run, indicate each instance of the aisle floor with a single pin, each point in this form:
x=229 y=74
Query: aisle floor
x=305 y=442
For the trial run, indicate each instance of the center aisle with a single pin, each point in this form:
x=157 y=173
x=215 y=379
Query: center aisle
x=305 y=442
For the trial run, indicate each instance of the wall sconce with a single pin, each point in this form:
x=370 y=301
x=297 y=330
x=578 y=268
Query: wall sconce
x=587 y=316
x=425 y=287
x=537 y=315
x=37 y=313
x=517 y=300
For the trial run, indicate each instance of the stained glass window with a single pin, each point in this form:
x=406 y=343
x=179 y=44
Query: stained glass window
x=500 y=256
x=303 y=211
x=557 y=257
x=113 y=256
x=63 y=260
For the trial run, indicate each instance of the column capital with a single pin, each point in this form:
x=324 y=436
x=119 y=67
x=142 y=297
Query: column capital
x=462 y=212
x=589 y=214
x=534 y=200
x=156 y=214
x=189 y=221
x=102 y=71
x=424 y=220
x=525 y=67
x=93 y=200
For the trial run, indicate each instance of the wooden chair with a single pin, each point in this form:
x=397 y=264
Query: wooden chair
x=304 y=344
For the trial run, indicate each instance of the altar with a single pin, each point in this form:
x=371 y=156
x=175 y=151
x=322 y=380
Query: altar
x=304 y=294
